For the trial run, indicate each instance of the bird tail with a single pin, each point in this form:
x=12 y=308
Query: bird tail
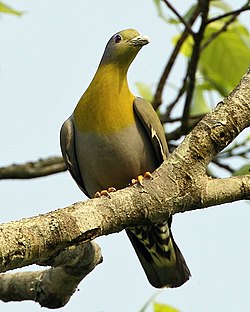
x=159 y=255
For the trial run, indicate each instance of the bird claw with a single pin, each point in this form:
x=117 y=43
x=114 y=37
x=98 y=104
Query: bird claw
x=148 y=175
x=140 y=178
x=105 y=193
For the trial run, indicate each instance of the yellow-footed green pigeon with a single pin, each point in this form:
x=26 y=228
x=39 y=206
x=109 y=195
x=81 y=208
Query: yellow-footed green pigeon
x=112 y=137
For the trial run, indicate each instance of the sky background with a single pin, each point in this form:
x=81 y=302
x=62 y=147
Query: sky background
x=47 y=59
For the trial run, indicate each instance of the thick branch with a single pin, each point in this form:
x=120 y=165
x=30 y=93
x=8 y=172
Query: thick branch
x=226 y=190
x=180 y=184
x=45 y=287
x=34 y=239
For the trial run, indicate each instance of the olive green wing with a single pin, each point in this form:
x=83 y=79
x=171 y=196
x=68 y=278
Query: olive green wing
x=151 y=122
x=67 y=142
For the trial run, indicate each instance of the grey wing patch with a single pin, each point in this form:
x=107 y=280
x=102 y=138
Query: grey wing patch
x=67 y=142
x=153 y=126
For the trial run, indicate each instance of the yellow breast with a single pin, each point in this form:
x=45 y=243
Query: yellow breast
x=107 y=104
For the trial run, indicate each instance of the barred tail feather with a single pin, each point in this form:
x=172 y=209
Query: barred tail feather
x=159 y=255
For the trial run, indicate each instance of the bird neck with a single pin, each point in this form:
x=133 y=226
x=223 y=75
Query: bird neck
x=107 y=104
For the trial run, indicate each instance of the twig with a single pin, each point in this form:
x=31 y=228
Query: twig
x=178 y=119
x=227 y=23
x=232 y=151
x=166 y=116
x=244 y=154
x=246 y=7
x=193 y=63
x=30 y=170
x=188 y=26
x=161 y=84
x=178 y=133
x=224 y=166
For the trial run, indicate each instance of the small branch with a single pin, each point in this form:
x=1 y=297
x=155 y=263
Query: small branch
x=187 y=25
x=161 y=84
x=30 y=170
x=52 y=288
x=193 y=63
x=232 y=152
x=245 y=7
x=223 y=166
x=197 y=118
x=244 y=154
x=225 y=26
x=166 y=115
x=226 y=189
x=178 y=133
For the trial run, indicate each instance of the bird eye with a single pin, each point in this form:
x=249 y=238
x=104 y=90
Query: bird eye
x=117 y=38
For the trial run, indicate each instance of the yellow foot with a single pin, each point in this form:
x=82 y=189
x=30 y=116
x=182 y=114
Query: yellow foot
x=105 y=192
x=140 y=178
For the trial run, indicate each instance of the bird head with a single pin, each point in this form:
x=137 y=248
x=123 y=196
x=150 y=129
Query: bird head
x=123 y=47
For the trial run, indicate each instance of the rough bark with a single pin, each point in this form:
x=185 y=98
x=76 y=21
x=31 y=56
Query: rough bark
x=53 y=287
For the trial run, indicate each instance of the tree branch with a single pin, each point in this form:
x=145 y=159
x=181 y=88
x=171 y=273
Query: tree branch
x=244 y=8
x=40 y=168
x=193 y=63
x=180 y=184
x=178 y=132
x=182 y=20
x=227 y=190
x=221 y=30
x=223 y=166
x=160 y=87
x=45 y=287
x=166 y=116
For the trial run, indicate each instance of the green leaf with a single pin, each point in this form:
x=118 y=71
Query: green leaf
x=149 y=301
x=159 y=10
x=187 y=46
x=206 y=86
x=190 y=12
x=7 y=9
x=186 y=16
x=226 y=58
x=199 y=105
x=145 y=91
x=223 y=62
x=221 y=5
x=242 y=171
x=172 y=21
x=158 y=307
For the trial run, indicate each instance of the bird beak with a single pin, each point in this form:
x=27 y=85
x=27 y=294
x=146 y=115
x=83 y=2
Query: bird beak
x=139 y=41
